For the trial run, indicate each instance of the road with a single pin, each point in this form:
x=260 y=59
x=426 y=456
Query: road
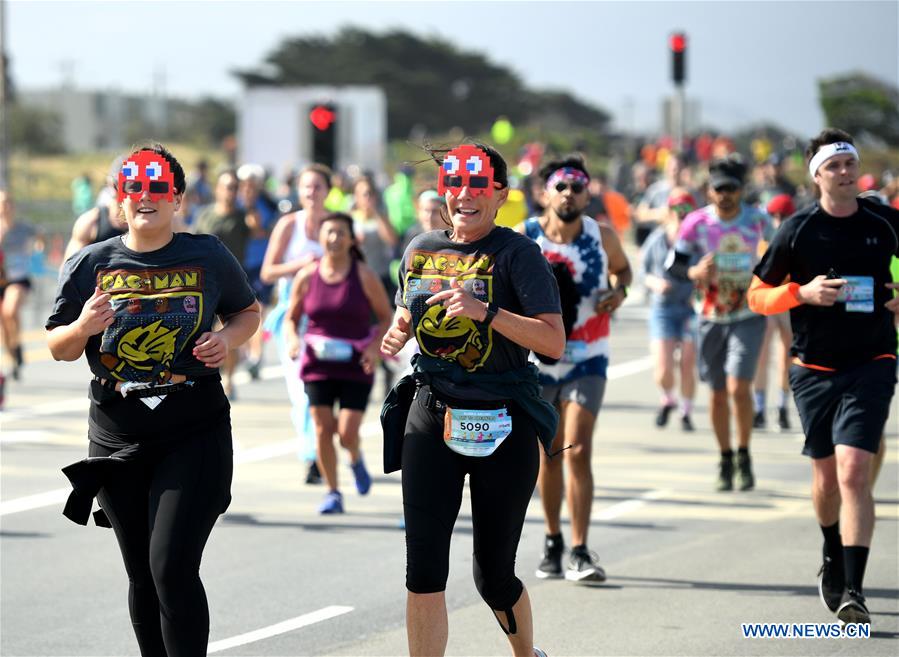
x=687 y=566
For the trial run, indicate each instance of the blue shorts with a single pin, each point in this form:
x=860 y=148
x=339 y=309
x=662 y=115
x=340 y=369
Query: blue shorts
x=673 y=322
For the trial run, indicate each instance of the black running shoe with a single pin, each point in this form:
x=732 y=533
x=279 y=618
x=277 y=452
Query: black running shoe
x=831 y=584
x=18 y=362
x=551 y=565
x=758 y=420
x=313 y=476
x=783 y=420
x=584 y=567
x=662 y=415
x=686 y=424
x=854 y=609
x=726 y=474
x=745 y=478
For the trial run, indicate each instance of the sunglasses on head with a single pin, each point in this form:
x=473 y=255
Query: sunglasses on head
x=575 y=187
x=136 y=187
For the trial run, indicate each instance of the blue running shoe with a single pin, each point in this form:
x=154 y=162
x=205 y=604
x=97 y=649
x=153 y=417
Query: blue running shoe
x=363 y=479
x=333 y=503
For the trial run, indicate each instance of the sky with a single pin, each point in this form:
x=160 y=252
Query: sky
x=748 y=62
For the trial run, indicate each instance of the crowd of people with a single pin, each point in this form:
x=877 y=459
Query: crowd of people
x=507 y=307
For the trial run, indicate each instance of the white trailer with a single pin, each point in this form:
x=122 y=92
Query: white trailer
x=275 y=128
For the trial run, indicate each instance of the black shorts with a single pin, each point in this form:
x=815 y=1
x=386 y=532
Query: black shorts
x=352 y=394
x=24 y=282
x=847 y=407
x=262 y=289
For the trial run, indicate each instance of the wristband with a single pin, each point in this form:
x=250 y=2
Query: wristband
x=492 y=309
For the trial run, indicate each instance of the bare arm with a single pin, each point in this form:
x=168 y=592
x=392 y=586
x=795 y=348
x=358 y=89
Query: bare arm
x=380 y=305
x=273 y=266
x=295 y=309
x=84 y=232
x=620 y=274
x=398 y=334
x=213 y=346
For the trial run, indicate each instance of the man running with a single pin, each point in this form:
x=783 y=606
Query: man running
x=829 y=264
x=590 y=254
x=723 y=240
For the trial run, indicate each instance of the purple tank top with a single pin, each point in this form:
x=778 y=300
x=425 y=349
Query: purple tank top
x=338 y=329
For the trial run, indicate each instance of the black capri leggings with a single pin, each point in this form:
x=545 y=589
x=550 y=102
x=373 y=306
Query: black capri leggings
x=162 y=510
x=501 y=487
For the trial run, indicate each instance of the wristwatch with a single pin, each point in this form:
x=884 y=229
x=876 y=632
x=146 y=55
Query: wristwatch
x=492 y=309
x=623 y=289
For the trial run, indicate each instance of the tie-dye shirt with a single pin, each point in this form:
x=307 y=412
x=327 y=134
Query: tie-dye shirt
x=587 y=347
x=735 y=244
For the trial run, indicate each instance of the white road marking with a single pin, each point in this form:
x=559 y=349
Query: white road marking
x=278 y=628
x=30 y=502
x=627 y=506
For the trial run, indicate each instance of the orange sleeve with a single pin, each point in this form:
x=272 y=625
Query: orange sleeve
x=769 y=300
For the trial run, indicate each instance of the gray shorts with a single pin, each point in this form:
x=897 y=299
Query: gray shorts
x=729 y=350
x=586 y=391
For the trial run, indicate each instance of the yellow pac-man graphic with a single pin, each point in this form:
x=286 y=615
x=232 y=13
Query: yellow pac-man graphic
x=455 y=339
x=144 y=347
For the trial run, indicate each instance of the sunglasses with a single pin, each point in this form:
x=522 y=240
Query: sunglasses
x=726 y=189
x=136 y=187
x=475 y=182
x=575 y=187
x=682 y=209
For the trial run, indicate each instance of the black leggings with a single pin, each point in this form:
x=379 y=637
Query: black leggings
x=162 y=510
x=501 y=487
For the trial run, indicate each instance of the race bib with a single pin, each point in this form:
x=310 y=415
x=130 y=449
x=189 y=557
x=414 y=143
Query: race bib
x=575 y=352
x=476 y=432
x=857 y=294
x=333 y=350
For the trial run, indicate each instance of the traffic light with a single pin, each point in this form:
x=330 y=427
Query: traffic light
x=323 y=118
x=677 y=42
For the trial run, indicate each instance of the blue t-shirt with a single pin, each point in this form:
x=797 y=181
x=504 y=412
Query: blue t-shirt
x=653 y=256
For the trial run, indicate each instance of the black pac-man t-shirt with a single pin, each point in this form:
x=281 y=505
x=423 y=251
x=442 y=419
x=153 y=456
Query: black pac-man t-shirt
x=858 y=248
x=163 y=300
x=504 y=267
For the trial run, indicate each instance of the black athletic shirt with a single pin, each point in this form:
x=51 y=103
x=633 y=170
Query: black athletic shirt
x=105 y=229
x=811 y=243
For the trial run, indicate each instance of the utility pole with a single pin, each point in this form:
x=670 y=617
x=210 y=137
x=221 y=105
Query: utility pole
x=5 y=146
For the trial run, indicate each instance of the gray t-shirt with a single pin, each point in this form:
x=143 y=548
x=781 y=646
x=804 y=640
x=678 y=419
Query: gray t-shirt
x=504 y=267
x=17 y=244
x=164 y=300
x=653 y=256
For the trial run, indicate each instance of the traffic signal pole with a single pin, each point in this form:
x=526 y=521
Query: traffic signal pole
x=678 y=46
x=4 y=103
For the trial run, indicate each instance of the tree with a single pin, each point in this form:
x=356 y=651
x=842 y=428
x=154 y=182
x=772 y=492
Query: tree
x=35 y=130
x=428 y=82
x=863 y=106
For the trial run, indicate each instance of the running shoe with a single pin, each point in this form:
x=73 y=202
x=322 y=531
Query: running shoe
x=313 y=476
x=662 y=415
x=583 y=566
x=333 y=503
x=745 y=478
x=686 y=424
x=854 y=609
x=363 y=479
x=726 y=474
x=538 y=652
x=758 y=420
x=551 y=565
x=253 y=367
x=831 y=584
x=18 y=362
x=783 y=420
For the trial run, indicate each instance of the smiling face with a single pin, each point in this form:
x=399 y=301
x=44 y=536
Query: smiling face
x=335 y=237
x=838 y=177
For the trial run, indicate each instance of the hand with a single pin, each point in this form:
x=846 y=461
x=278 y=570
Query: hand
x=459 y=303
x=212 y=348
x=610 y=300
x=663 y=286
x=293 y=347
x=821 y=291
x=893 y=304
x=396 y=337
x=97 y=314
x=704 y=271
x=370 y=358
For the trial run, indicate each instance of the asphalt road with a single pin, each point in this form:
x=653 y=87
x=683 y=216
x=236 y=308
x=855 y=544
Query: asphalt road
x=687 y=566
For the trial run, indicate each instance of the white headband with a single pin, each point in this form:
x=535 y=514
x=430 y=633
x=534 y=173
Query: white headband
x=828 y=151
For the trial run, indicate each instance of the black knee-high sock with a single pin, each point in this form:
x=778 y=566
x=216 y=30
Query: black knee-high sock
x=855 y=558
x=833 y=544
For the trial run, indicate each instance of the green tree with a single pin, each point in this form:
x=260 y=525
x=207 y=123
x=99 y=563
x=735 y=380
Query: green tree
x=862 y=105
x=35 y=130
x=429 y=83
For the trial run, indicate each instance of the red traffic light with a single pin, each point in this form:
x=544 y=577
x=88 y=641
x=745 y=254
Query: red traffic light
x=322 y=117
x=678 y=42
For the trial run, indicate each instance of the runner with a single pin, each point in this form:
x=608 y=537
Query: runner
x=141 y=307
x=829 y=264
x=723 y=240
x=101 y=222
x=338 y=295
x=17 y=244
x=672 y=321
x=476 y=297
x=294 y=244
x=594 y=260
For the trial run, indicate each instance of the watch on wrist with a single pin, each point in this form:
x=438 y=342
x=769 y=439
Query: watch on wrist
x=622 y=289
x=492 y=309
